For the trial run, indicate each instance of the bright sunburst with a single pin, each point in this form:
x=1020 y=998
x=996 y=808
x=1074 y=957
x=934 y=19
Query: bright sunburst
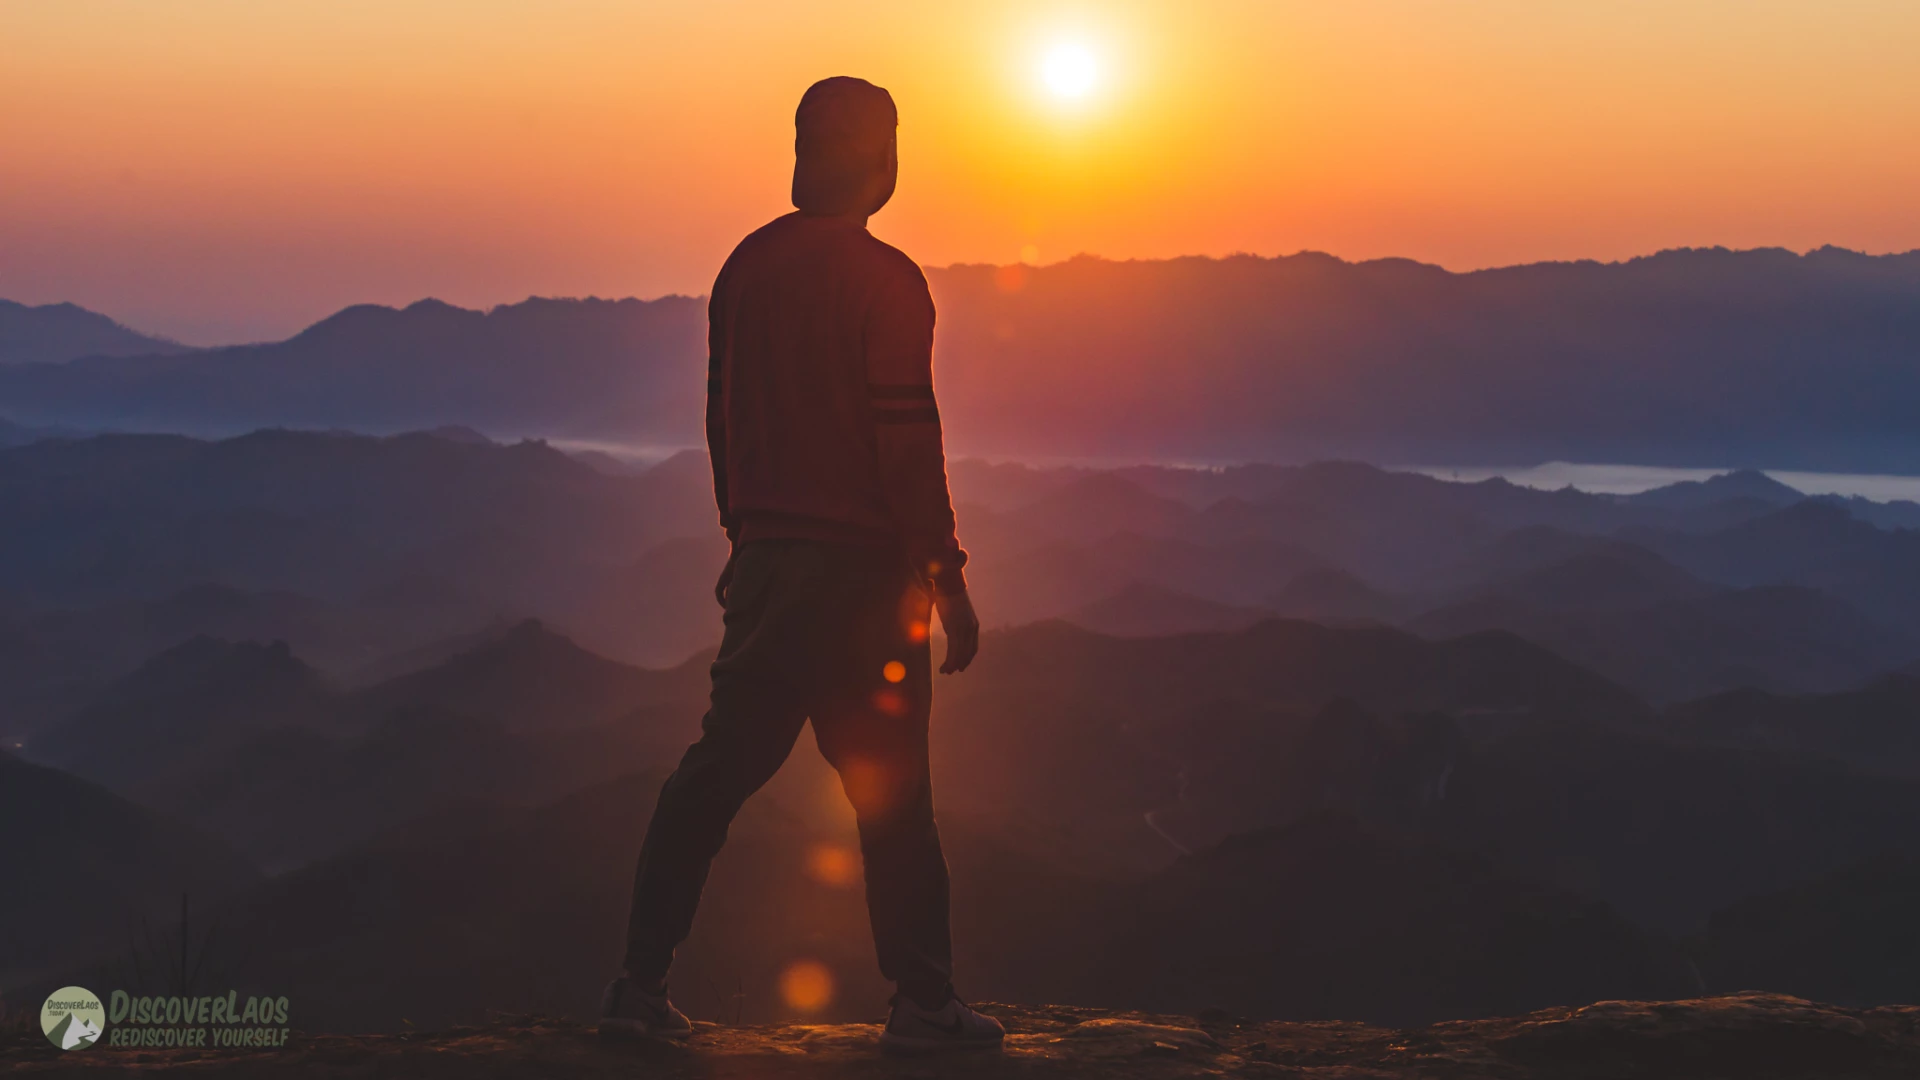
x=1069 y=71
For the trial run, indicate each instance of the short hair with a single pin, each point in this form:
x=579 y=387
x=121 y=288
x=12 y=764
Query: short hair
x=841 y=133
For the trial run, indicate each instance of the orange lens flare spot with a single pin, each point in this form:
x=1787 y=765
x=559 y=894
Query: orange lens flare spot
x=867 y=786
x=894 y=671
x=1010 y=278
x=890 y=702
x=806 y=985
x=916 y=632
x=833 y=865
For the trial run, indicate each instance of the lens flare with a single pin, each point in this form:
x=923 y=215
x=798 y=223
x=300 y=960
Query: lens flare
x=894 y=671
x=867 y=787
x=833 y=865
x=806 y=985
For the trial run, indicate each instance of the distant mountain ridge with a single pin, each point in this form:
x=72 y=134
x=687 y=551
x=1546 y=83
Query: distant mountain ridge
x=1695 y=356
x=540 y=366
x=1764 y=358
x=51 y=333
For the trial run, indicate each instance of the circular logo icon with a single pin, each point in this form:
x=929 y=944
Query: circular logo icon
x=72 y=1018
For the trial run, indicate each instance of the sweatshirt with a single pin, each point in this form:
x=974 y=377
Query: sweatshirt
x=821 y=418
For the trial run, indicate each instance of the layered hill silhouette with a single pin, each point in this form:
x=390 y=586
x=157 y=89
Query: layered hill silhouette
x=460 y=838
x=240 y=736
x=84 y=866
x=1875 y=727
x=1814 y=543
x=51 y=333
x=12 y=434
x=542 y=366
x=542 y=894
x=350 y=548
x=193 y=701
x=1666 y=830
x=532 y=679
x=1392 y=360
x=1629 y=614
x=255 y=746
x=53 y=661
x=429 y=684
x=1370 y=925
x=1688 y=357
x=1142 y=610
x=354 y=549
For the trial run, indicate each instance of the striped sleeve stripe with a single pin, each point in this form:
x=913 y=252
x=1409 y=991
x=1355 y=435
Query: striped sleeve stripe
x=900 y=391
x=923 y=414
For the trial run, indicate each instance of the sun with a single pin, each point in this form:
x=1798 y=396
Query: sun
x=1070 y=71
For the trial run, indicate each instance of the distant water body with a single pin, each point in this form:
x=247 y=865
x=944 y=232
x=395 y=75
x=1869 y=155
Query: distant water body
x=1632 y=479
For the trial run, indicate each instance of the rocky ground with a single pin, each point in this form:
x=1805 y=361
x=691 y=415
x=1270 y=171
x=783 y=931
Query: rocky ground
x=1752 y=1035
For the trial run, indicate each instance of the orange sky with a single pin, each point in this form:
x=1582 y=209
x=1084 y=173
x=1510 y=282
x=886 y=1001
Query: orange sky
x=234 y=170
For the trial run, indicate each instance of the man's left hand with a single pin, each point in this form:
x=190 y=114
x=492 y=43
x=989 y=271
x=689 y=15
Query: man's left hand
x=726 y=579
x=962 y=627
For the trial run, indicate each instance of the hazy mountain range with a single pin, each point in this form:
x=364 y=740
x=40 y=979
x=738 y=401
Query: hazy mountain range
x=1298 y=821
x=1336 y=741
x=1693 y=357
x=1320 y=740
x=357 y=550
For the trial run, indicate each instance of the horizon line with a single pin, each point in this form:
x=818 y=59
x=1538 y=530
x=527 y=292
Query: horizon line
x=1078 y=257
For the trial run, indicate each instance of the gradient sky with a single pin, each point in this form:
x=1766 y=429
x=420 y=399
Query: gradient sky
x=223 y=170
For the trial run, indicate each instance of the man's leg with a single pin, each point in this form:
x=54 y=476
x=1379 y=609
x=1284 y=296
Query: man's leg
x=873 y=730
x=758 y=705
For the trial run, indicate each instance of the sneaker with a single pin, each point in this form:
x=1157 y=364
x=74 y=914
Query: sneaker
x=626 y=1009
x=954 y=1026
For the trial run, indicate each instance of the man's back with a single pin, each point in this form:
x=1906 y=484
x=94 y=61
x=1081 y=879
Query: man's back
x=821 y=415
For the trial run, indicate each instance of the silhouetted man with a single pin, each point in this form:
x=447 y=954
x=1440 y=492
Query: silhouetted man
x=832 y=486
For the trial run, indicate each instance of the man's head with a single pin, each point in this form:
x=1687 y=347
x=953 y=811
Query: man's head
x=845 y=160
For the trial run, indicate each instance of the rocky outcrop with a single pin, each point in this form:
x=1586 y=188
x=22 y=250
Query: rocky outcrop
x=1748 y=1035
